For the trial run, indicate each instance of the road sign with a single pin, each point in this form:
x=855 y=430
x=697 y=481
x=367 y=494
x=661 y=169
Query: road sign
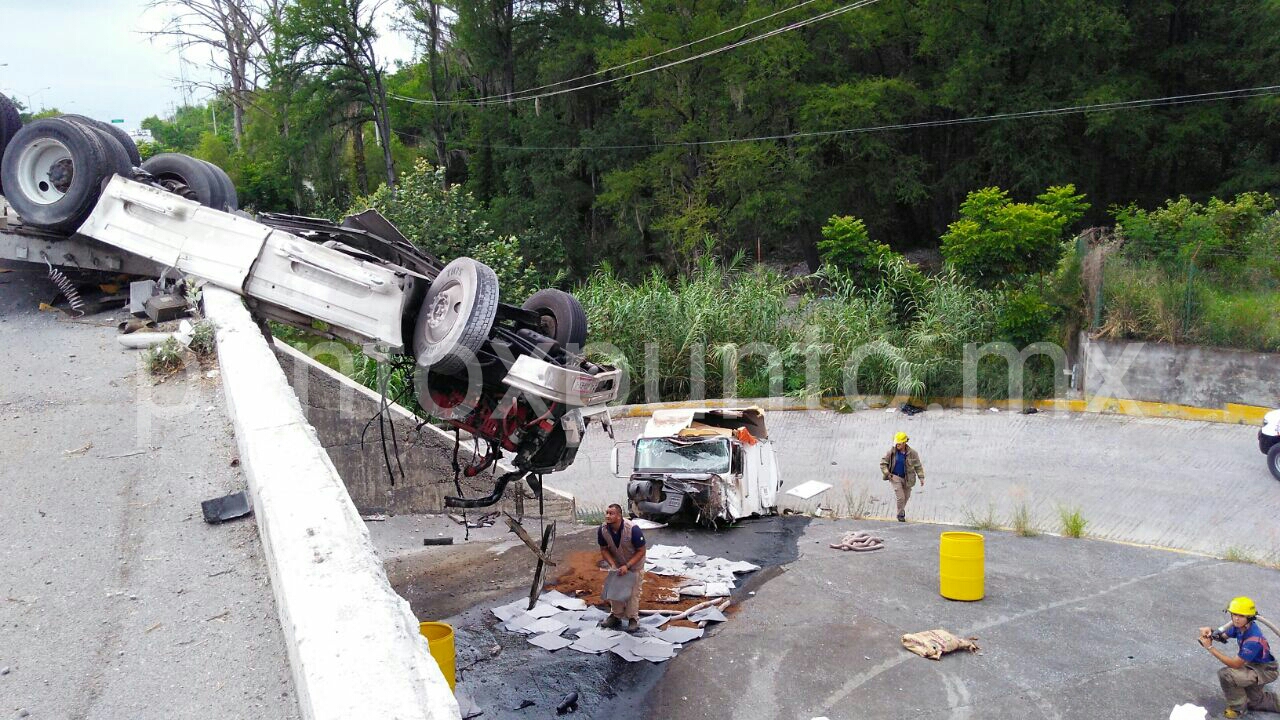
x=117 y=121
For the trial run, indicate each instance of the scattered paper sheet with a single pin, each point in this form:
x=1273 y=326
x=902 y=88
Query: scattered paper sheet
x=543 y=610
x=545 y=625
x=809 y=489
x=680 y=635
x=550 y=641
x=710 y=614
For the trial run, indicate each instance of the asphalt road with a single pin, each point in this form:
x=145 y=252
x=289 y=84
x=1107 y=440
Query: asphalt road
x=116 y=599
x=1171 y=483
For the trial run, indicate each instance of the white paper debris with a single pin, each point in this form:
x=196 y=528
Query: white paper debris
x=1188 y=712
x=550 y=641
x=653 y=649
x=545 y=625
x=594 y=613
x=809 y=489
x=543 y=610
x=520 y=622
x=679 y=635
x=710 y=614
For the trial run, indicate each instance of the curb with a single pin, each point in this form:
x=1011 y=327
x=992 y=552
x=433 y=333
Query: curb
x=354 y=647
x=1231 y=413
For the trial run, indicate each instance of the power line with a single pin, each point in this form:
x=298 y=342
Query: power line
x=515 y=95
x=716 y=51
x=1238 y=94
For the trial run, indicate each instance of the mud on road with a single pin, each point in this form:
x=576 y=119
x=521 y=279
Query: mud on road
x=500 y=670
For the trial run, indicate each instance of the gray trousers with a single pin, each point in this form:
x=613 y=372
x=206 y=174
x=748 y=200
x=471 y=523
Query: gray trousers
x=902 y=491
x=1244 y=687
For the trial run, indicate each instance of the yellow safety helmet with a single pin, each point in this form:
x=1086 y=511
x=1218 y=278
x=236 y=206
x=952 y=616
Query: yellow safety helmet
x=900 y=438
x=1242 y=606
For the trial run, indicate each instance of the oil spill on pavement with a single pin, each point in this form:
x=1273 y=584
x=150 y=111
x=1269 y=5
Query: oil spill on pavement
x=500 y=669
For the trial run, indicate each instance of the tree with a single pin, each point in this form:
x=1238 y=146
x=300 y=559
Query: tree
x=998 y=240
x=235 y=31
x=334 y=38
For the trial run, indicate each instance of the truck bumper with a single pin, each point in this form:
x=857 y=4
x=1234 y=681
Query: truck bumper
x=1266 y=441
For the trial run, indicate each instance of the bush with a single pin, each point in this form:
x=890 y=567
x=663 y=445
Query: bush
x=997 y=240
x=846 y=245
x=448 y=223
x=1183 y=232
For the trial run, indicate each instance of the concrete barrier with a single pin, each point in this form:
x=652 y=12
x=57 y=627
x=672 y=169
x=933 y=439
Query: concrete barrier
x=353 y=643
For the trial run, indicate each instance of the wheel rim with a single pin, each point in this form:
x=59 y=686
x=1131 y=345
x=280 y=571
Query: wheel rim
x=444 y=311
x=45 y=171
x=177 y=186
x=1275 y=463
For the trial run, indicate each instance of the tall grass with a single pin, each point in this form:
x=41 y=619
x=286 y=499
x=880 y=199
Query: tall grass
x=1073 y=522
x=754 y=333
x=1022 y=523
x=979 y=520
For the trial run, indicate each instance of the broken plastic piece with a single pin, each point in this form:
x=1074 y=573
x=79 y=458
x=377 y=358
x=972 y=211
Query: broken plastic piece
x=227 y=507
x=809 y=489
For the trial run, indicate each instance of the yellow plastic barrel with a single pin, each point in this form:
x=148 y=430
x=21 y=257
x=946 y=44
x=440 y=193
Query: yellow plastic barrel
x=961 y=570
x=440 y=638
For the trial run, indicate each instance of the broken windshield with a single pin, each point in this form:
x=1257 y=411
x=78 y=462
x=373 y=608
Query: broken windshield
x=709 y=456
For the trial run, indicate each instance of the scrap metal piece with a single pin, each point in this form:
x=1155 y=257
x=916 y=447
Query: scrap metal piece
x=228 y=507
x=539 y=575
x=520 y=532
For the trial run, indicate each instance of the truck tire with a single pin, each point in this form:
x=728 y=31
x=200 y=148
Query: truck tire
x=230 y=199
x=456 y=316
x=116 y=154
x=186 y=176
x=52 y=172
x=10 y=124
x=115 y=133
x=563 y=318
x=1273 y=460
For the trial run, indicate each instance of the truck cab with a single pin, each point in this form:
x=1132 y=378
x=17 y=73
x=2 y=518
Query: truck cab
x=706 y=466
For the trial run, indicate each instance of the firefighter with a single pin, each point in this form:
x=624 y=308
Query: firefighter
x=1246 y=674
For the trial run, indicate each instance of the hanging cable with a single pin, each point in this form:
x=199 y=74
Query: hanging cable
x=1171 y=100
x=731 y=46
x=637 y=61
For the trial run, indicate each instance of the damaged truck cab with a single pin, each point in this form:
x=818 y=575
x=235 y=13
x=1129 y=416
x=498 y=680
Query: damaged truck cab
x=707 y=466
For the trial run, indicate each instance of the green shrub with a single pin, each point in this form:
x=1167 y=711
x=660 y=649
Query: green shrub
x=165 y=358
x=203 y=337
x=997 y=240
x=1025 y=317
x=1182 y=231
x=1073 y=523
x=846 y=245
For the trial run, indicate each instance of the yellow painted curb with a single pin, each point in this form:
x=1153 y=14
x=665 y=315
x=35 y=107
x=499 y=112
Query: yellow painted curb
x=1233 y=413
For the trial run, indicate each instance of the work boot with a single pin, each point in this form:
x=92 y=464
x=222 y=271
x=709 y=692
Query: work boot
x=902 y=517
x=1231 y=712
x=611 y=622
x=633 y=625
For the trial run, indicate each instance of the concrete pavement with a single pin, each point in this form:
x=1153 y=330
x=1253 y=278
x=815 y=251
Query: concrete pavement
x=116 y=599
x=1196 y=486
x=1068 y=629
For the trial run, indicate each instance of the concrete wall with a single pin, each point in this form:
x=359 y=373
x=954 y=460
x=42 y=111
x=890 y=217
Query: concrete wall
x=1180 y=374
x=340 y=409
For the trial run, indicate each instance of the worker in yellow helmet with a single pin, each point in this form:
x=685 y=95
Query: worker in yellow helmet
x=901 y=467
x=1254 y=666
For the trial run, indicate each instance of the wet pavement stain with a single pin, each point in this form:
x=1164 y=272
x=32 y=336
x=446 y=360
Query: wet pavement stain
x=501 y=671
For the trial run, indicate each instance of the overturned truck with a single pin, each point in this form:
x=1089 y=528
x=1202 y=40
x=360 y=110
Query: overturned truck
x=74 y=198
x=706 y=466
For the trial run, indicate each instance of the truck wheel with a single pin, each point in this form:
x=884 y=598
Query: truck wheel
x=229 y=196
x=186 y=176
x=52 y=172
x=117 y=156
x=563 y=318
x=456 y=315
x=115 y=133
x=1273 y=460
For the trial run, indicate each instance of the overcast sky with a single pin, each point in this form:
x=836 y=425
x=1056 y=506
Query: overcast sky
x=92 y=57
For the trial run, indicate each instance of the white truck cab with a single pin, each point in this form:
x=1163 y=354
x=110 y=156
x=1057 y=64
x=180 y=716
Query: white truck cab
x=704 y=465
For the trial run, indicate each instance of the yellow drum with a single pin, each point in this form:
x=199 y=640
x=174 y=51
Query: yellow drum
x=961 y=566
x=440 y=638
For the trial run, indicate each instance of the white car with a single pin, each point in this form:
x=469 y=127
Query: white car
x=1269 y=441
